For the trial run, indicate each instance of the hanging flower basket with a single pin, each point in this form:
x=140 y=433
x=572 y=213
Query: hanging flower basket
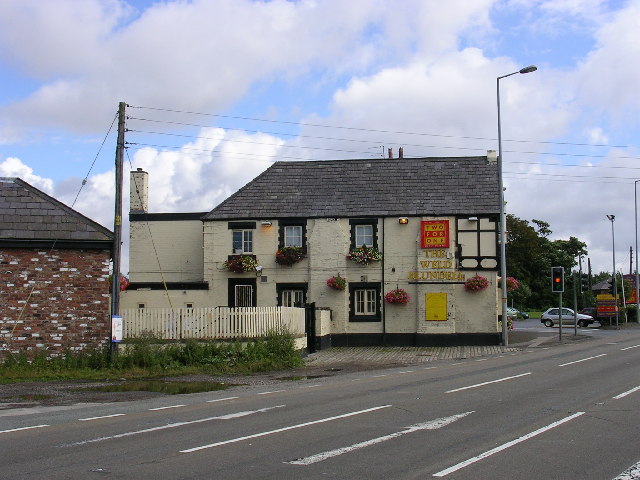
x=398 y=296
x=509 y=324
x=365 y=255
x=289 y=255
x=337 y=282
x=240 y=264
x=512 y=284
x=477 y=283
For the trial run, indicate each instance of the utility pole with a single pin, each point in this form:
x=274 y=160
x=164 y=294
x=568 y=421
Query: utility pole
x=117 y=227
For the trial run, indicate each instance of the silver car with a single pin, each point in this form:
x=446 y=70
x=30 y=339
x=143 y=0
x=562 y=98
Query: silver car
x=551 y=317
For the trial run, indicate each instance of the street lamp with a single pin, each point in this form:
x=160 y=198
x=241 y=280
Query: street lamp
x=635 y=198
x=615 y=283
x=503 y=217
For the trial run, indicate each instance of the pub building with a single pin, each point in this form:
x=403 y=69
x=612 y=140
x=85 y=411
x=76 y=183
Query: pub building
x=399 y=251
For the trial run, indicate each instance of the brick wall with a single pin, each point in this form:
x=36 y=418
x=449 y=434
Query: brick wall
x=53 y=300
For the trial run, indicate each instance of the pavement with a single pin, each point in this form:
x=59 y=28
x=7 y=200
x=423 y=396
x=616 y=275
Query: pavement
x=519 y=340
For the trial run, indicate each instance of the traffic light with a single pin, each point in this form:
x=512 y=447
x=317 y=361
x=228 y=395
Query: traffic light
x=584 y=282
x=557 y=279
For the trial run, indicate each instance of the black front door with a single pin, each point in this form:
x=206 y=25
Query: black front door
x=242 y=292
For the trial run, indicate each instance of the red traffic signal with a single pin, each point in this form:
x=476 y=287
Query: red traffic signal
x=557 y=279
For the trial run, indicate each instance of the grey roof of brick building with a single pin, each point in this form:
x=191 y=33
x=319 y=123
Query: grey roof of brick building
x=370 y=187
x=30 y=216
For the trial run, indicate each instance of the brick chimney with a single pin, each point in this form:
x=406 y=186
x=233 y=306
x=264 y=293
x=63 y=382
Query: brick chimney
x=390 y=150
x=400 y=153
x=139 y=191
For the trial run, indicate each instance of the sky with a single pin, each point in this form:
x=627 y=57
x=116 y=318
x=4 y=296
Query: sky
x=217 y=90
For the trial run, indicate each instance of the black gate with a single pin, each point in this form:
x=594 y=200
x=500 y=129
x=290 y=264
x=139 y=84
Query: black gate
x=310 y=325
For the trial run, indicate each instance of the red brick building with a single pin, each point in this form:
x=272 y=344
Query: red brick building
x=54 y=274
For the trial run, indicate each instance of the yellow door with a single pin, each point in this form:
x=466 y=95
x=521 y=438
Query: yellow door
x=436 y=307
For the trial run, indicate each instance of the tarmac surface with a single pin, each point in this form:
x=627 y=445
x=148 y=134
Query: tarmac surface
x=19 y=398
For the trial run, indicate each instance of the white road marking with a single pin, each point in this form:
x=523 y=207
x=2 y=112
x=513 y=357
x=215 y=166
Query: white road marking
x=504 y=446
x=635 y=346
x=165 y=408
x=583 y=360
x=173 y=425
x=487 y=383
x=406 y=371
x=283 y=429
x=273 y=391
x=378 y=376
x=221 y=399
x=429 y=368
x=23 y=428
x=100 y=418
x=628 y=392
x=430 y=425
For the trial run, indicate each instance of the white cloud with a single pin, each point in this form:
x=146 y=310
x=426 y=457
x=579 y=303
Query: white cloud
x=608 y=77
x=198 y=55
x=13 y=167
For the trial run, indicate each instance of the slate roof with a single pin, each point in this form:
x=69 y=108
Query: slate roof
x=30 y=216
x=371 y=187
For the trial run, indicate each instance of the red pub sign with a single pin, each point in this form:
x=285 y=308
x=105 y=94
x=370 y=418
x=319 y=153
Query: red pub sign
x=434 y=234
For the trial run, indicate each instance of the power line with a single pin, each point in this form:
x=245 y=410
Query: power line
x=305 y=124
x=559 y=154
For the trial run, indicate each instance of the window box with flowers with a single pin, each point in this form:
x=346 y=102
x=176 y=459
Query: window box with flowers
x=477 y=283
x=365 y=255
x=397 y=296
x=240 y=263
x=289 y=255
x=337 y=282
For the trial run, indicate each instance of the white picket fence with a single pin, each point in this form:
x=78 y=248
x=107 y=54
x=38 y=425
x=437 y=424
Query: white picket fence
x=211 y=323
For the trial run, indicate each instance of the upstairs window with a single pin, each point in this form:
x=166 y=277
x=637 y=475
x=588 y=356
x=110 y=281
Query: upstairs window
x=242 y=241
x=292 y=232
x=242 y=237
x=364 y=232
x=293 y=236
x=364 y=235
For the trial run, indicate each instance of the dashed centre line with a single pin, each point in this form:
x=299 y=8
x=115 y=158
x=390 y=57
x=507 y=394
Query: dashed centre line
x=582 y=360
x=101 y=417
x=504 y=446
x=487 y=383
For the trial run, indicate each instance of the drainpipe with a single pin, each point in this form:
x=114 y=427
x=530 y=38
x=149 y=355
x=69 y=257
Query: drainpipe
x=384 y=317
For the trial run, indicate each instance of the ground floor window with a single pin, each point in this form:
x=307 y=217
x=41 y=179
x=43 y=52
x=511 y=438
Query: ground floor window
x=291 y=294
x=364 y=302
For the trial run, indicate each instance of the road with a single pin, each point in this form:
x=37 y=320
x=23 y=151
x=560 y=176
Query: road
x=567 y=412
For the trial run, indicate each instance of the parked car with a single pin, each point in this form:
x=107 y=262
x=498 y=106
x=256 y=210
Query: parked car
x=592 y=311
x=513 y=313
x=552 y=316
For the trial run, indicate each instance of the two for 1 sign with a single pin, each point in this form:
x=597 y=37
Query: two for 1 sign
x=434 y=234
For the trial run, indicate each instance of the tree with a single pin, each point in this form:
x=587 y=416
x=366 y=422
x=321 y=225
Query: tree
x=530 y=256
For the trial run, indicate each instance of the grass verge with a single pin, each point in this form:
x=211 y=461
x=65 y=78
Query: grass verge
x=148 y=356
